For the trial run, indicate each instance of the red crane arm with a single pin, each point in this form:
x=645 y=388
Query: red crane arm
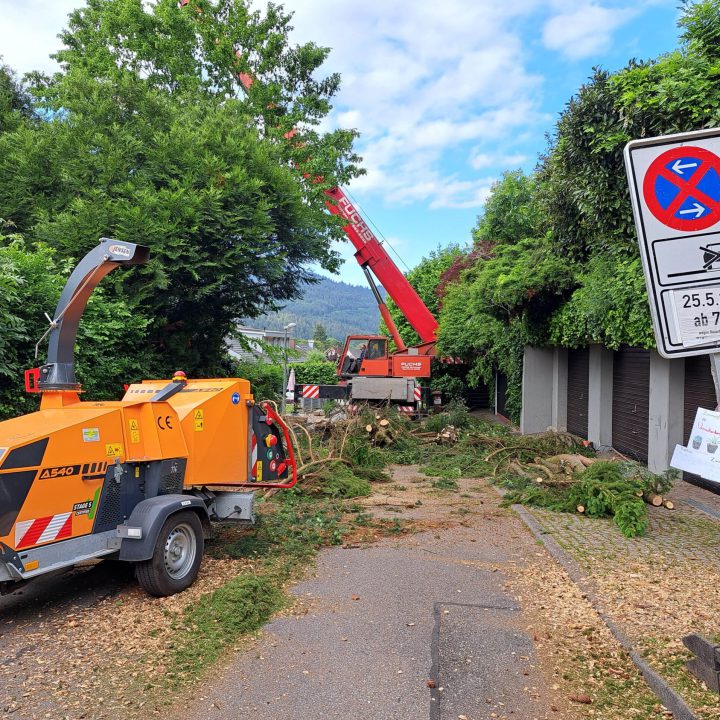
x=371 y=254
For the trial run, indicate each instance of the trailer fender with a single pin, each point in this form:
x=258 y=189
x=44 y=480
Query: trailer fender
x=140 y=531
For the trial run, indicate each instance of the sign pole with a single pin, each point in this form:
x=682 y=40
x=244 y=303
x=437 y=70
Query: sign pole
x=715 y=369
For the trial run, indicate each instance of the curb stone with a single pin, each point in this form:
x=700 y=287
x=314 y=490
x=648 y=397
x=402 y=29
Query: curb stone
x=669 y=698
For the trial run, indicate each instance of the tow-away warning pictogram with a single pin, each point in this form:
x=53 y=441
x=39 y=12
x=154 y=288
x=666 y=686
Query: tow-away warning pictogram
x=682 y=188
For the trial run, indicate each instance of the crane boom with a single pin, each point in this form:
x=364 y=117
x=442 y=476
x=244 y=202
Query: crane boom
x=371 y=254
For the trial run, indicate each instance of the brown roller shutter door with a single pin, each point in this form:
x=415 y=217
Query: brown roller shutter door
x=631 y=402
x=577 y=391
x=699 y=390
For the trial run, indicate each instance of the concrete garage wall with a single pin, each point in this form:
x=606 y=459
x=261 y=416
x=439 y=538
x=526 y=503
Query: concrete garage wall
x=544 y=390
x=667 y=402
x=600 y=396
x=544 y=398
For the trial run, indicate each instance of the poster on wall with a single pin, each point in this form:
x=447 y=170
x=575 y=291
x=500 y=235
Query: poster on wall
x=701 y=455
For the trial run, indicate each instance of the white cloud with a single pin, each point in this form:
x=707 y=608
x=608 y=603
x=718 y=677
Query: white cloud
x=479 y=160
x=439 y=91
x=581 y=31
x=29 y=30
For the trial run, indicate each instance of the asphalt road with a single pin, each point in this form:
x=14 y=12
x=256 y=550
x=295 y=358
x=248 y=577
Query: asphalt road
x=418 y=628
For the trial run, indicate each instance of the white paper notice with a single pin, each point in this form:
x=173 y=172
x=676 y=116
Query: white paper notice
x=701 y=456
x=695 y=462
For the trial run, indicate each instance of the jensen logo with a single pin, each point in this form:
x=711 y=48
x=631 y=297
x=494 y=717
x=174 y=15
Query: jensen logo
x=120 y=250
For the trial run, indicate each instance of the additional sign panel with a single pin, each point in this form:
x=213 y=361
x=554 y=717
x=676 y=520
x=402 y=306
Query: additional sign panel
x=701 y=456
x=675 y=190
x=199 y=420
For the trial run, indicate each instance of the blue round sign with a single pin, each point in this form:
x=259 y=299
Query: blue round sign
x=235 y=398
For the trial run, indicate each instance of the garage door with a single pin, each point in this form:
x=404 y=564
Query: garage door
x=501 y=394
x=630 y=402
x=699 y=392
x=577 y=391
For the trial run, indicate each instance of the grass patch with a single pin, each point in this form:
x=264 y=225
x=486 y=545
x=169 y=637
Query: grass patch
x=445 y=484
x=240 y=607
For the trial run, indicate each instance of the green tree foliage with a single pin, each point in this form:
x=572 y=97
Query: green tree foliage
x=15 y=103
x=511 y=211
x=497 y=307
x=146 y=136
x=425 y=278
x=31 y=278
x=316 y=371
x=555 y=258
x=320 y=335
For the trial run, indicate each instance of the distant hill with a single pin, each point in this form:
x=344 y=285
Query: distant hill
x=342 y=308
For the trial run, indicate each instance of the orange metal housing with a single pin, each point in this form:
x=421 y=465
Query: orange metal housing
x=206 y=423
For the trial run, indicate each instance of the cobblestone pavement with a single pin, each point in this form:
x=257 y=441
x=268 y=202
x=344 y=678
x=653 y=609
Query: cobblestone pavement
x=683 y=534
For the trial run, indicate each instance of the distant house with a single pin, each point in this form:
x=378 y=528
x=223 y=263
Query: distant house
x=256 y=341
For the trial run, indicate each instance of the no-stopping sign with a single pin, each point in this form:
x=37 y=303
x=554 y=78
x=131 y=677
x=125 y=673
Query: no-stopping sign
x=682 y=188
x=675 y=190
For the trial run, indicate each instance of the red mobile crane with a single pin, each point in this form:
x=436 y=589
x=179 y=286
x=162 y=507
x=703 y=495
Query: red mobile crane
x=366 y=368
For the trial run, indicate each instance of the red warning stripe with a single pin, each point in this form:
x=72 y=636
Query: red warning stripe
x=311 y=391
x=43 y=530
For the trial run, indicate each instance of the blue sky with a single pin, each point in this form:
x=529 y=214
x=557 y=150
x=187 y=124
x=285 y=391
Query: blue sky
x=446 y=95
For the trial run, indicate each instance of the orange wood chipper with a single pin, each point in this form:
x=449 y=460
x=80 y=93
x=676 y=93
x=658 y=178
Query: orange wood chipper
x=138 y=479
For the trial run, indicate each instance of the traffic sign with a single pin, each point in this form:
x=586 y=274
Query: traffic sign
x=675 y=192
x=682 y=188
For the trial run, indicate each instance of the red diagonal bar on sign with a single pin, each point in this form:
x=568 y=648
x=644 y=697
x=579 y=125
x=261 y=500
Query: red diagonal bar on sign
x=688 y=188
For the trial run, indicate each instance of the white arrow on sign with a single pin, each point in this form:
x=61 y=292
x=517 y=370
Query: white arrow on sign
x=678 y=166
x=697 y=210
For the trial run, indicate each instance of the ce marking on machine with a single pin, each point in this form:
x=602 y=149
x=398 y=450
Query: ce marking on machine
x=675 y=191
x=164 y=422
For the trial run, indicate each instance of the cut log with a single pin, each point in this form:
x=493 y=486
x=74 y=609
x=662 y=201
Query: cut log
x=669 y=504
x=654 y=499
x=581 y=508
x=384 y=423
x=369 y=428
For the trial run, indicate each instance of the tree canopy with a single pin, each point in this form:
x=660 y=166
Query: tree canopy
x=146 y=134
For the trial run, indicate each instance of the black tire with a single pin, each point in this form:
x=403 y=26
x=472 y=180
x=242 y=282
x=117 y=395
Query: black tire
x=176 y=558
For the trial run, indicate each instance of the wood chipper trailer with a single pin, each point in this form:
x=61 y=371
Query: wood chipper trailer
x=139 y=479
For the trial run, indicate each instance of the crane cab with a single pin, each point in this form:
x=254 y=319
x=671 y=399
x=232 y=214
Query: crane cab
x=370 y=356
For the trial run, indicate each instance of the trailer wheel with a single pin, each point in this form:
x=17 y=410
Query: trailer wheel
x=176 y=558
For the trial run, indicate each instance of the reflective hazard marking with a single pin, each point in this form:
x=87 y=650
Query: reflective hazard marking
x=253 y=457
x=134 y=431
x=43 y=530
x=311 y=391
x=199 y=420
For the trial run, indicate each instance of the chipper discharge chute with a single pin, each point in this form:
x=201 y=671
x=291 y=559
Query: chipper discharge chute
x=139 y=479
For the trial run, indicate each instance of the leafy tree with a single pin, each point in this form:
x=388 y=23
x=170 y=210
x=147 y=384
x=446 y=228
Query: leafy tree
x=498 y=306
x=320 y=335
x=424 y=277
x=15 y=103
x=146 y=137
x=511 y=211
